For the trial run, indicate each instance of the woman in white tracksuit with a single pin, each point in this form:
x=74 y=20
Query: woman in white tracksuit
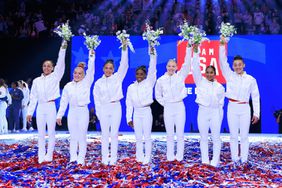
x=24 y=87
x=240 y=86
x=210 y=98
x=45 y=89
x=3 y=107
x=139 y=98
x=76 y=94
x=170 y=91
x=107 y=95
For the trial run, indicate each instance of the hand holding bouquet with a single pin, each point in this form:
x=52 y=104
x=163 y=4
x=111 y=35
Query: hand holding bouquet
x=226 y=31
x=91 y=42
x=152 y=37
x=64 y=31
x=192 y=34
x=123 y=37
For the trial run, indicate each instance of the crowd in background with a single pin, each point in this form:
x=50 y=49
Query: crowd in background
x=38 y=18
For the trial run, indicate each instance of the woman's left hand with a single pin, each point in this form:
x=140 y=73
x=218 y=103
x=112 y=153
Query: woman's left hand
x=255 y=119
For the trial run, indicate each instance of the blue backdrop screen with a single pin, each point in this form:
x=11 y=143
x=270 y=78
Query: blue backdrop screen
x=262 y=55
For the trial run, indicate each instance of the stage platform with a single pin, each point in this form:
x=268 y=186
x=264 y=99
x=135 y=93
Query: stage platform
x=19 y=166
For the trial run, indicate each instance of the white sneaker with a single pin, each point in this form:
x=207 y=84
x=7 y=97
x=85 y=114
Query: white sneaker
x=48 y=158
x=214 y=164
x=17 y=131
x=170 y=158
x=179 y=158
x=113 y=161
x=81 y=162
x=140 y=160
x=31 y=129
x=40 y=161
x=24 y=129
x=146 y=161
x=73 y=160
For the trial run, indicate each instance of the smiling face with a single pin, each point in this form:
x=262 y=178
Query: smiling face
x=78 y=74
x=238 y=66
x=140 y=75
x=108 y=69
x=171 y=67
x=210 y=73
x=47 y=67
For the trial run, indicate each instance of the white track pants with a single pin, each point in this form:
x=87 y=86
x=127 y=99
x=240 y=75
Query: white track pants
x=24 y=114
x=210 y=118
x=46 y=114
x=239 y=119
x=142 y=119
x=175 y=115
x=3 y=118
x=78 y=121
x=110 y=122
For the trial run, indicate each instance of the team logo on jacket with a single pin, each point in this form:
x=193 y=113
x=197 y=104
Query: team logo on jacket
x=209 y=55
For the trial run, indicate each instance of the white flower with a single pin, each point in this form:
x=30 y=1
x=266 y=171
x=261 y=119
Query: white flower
x=227 y=30
x=152 y=36
x=192 y=34
x=123 y=37
x=64 y=31
x=91 y=42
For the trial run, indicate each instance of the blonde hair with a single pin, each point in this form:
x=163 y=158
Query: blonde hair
x=171 y=60
x=82 y=66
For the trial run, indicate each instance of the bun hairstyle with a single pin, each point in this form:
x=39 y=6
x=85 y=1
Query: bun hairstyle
x=23 y=83
x=110 y=61
x=52 y=63
x=238 y=57
x=171 y=60
x=81 y=65
x=211 y=67
x=143 y=68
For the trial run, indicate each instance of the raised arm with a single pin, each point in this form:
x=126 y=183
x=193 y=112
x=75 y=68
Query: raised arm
x=63 y=103
x=123 y=67
x=186 y=66
x=197 y=75
x=33 y=99
x=60 y=65
x=225 y=69
x=89 y=76
x=159 y=93
x=152 y=71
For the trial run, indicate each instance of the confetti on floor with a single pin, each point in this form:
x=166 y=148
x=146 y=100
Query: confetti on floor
x=19 y=167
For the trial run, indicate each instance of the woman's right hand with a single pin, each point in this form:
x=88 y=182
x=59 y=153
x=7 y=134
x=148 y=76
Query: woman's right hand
x=223 y=41
x=29 y=118
x=59 y=121
x=131 y=124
